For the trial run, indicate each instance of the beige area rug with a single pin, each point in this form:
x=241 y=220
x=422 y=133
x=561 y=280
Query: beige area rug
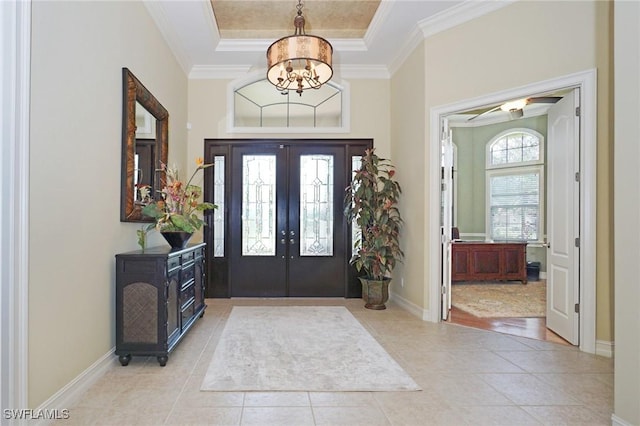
x=499 y=300
x=301 y=348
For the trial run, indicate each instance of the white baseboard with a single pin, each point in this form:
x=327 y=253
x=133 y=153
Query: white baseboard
x=604 y=348
x=70 y=394
x=543 y=275
x=617 y=421
x=413 y=309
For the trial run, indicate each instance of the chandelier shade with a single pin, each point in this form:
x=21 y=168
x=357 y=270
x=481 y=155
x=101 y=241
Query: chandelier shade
x=300 y=61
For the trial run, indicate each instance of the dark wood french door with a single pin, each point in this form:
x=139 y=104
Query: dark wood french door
x=280 y=231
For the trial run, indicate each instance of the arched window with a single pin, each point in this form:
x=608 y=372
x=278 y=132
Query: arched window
x=515 y=186
x=257 y=106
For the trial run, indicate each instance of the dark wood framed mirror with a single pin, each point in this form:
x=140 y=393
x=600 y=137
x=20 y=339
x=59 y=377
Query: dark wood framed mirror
x=141 y=155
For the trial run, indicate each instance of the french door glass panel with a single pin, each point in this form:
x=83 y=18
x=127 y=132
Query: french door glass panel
x=316 y=205
x=258 y=205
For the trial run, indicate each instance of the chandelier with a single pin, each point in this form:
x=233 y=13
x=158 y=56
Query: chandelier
x=300 y=61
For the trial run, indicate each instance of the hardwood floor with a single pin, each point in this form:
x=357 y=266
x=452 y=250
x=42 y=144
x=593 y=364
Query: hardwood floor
x=533 y=328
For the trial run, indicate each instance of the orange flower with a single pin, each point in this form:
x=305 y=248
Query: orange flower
x=199 y=161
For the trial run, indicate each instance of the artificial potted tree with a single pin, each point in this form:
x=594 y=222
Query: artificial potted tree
x=371 y=205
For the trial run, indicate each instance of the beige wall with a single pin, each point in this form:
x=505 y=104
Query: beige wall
x=78 y=51
x=627 y=211
x=497 y=52
x=408 y=145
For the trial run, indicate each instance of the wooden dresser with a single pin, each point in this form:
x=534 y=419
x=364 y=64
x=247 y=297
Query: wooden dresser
x=480 y=261
x=159 y=296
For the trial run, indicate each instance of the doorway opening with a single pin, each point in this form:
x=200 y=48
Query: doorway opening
x=280 y=230
x=499 y=233
x=584 y=233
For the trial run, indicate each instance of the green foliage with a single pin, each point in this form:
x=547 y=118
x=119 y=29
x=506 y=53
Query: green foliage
x=179 y=208
x=371 y=199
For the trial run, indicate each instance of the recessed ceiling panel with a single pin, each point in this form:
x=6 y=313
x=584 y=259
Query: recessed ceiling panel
x=259 y=19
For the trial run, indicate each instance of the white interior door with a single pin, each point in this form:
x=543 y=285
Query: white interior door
x=446 y=215
x=563 y=218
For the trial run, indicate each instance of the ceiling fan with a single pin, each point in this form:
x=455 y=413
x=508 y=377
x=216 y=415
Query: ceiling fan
x=514 y=108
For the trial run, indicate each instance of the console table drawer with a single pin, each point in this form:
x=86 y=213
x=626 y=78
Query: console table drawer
x=188 y=257
x=187 y=294
x=187 y=274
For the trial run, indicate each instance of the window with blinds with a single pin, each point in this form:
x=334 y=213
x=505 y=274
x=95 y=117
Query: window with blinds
x=515 y=189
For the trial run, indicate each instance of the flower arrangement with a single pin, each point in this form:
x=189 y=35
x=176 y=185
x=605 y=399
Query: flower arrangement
x=179 y=209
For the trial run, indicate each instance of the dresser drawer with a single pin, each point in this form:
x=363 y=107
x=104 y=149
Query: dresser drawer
x=173 y=263
x=188 y=257
x=187 y=294
x=188 y=312
x=186 y=275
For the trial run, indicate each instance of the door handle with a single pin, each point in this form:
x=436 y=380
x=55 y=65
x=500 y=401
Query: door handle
x=283 y=241
x=292 y=241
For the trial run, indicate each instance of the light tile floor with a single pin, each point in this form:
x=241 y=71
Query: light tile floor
x=468 y=376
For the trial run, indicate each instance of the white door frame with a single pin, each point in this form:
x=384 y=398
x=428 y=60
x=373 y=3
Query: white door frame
x=15 y=78
x=586 y=81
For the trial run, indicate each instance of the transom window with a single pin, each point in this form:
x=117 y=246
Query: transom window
x=515 y=186
x=515 y=147
x=257 y=106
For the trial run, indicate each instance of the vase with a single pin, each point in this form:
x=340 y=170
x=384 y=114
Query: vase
x=375 y=292
x=177 y=239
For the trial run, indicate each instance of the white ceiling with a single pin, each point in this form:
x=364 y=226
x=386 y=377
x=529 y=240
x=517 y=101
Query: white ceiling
x=397 y=27
x=250 y=26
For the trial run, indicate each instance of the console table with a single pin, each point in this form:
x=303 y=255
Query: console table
x=480 y=261
x=159 y=296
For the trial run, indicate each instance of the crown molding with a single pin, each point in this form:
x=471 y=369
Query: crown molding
x=261 y=45
x=376 y=72
x=377 y=23
x=242 y=45
x=221 y=72
x=156 y=11
x=459 y=14
x=405 y=50
x=449 y=18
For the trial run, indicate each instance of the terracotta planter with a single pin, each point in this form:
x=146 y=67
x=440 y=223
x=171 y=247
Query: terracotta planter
x=375 y=293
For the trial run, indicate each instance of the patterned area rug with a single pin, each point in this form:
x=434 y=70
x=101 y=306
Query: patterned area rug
x=301 y=348
x=499 y=300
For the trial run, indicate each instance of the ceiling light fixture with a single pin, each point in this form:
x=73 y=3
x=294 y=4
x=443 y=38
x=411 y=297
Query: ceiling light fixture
x=300 y=61
x=514 y=105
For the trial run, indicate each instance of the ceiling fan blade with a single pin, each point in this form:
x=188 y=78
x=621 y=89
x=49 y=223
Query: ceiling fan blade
x=485 y=112
x=543 y=100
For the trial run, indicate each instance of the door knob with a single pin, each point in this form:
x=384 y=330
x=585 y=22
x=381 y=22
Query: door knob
x=292 y=241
